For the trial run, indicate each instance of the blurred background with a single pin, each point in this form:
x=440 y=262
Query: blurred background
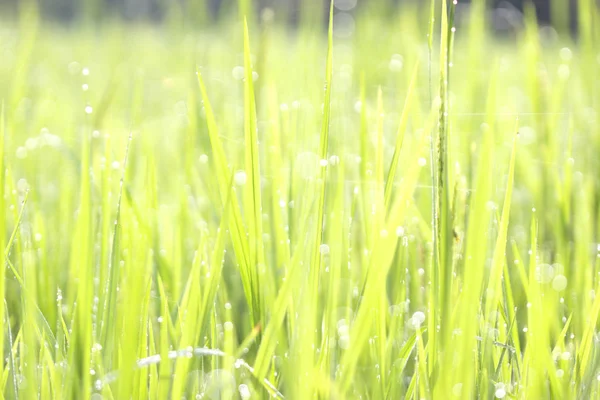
x=503 y=14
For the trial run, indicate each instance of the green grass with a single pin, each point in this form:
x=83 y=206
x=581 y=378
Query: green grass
x=250 y=209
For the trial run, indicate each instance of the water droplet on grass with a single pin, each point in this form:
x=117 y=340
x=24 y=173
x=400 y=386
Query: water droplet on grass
x=238 y=73
x=240 y=178
x=218 y=382
x=244 y=391
x=334 y=160
x=457 y=389
x=344 y=342
x=565 y=54
x=22 y=185
x=544 y=273
x=500 y=393
x=417 y=319
x=21 y=152
x=559 y=283
x=396 y=63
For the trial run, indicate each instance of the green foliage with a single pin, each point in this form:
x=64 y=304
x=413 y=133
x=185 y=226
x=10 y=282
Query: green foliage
x=313 y=215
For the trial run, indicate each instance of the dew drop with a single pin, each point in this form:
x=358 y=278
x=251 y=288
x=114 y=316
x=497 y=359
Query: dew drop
x=559 y=283
x=238 y=73
x=240 y=178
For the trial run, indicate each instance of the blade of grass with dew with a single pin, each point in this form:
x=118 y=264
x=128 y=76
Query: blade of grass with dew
x=12 y=363
x=107 y=335
x=29 y=358
x=443 y=247
x=494 y=288
x=400 y=137
x=422 y=370
x=79 y=354
x=535 y=360
x=164 y=341
x=133 y=288
x=275 y=164
x=284 y=296
x=383 y=253
x=252 y=190
x=323 y=148
x=216 y=268
x=379 y=158
x=2 y=244
x=380 y=314
x=188 y=320
x=310 y=310
x=365 y=178
x=586 y=348
x=511 y=315
x=400 y=365
x=433 y=300
x=468 y=305
x=236 y=227
x=499 y=257
x=142 y=380
x=106 y=215
x=335 y=235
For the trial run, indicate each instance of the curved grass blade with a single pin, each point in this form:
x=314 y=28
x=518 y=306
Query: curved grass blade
x=2 y=240
x=499 y=257
x=383 y=253
x=236 y=226
x=400 y=137
x=110 y=289
x=252 y=190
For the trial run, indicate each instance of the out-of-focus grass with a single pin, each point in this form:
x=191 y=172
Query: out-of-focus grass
x=307 y=215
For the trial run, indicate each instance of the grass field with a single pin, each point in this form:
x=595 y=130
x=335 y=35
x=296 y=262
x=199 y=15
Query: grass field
x=398 y=207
